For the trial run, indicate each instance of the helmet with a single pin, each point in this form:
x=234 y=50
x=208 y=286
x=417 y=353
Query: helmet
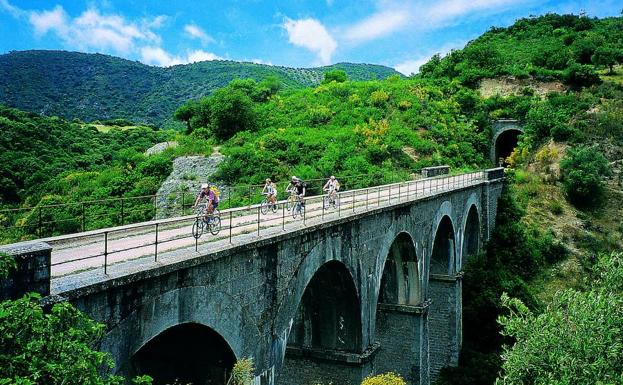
x=332 y=177
x=205 y=185
x=268 y=180
x=294 y=178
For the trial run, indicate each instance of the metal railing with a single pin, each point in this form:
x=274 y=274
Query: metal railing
x=103 y=248
x=25 y=223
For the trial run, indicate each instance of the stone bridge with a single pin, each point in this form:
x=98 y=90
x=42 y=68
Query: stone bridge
x=335 y=300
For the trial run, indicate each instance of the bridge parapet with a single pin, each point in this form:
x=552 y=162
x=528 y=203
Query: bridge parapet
x=33 y=269
x=429 y=172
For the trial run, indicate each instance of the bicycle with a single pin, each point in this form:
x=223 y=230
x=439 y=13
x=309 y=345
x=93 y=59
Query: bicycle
x=266 y=205
x=212 y=222
x=291 y=200
x=331 y=199
x=298 y=208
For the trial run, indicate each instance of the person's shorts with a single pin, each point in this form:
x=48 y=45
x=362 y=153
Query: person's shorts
x=214 y=205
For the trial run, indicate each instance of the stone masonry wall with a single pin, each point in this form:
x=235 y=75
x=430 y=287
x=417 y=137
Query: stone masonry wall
x=442 y=323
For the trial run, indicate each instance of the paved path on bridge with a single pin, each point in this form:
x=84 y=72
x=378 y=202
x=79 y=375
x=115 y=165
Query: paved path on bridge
x=78 y=260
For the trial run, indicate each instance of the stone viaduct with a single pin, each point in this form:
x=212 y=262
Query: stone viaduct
x=333 y=302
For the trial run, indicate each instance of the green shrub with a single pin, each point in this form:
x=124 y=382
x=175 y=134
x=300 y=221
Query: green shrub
x=582 y=172
x=384 y=379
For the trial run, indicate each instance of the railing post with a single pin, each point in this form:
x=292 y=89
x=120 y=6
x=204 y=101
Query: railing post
x=366 y=199
x=378 y=196
x=155 y=207
x=106 y=252
x=258 y=221
x=83 y=219
x=122 y=212
x=40 y=222
x=353 y=200
x=183 y=203
x=399 y=190
x=323 y=200
x=230 y=224
x=283 y=216
x=156 y=245
x=304 y=210
x=339 y=204
x=409 y=189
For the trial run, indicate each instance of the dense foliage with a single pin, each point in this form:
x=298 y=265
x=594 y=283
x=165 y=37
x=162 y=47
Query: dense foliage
x=99 y=87
x=583 y=170
x=563 y=47
x=575 y=340
x=384 y=379
x=515 y=254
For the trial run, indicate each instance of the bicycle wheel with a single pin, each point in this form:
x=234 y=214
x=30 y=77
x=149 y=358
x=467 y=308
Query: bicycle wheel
x=264 y=207
x=274 y=207
x=295 y=210
x=197 y=230
x=215 y=225
x=326 y=202
x=290 y=202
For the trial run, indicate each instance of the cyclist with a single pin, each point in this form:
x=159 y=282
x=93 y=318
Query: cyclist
x=299 y=190
x=270 y=190
x=332 y=187
x=207 y=192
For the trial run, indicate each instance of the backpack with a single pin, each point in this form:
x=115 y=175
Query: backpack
x=217 y=193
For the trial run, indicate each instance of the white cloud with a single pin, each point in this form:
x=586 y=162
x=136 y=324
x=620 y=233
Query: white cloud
x=93 y=30
x=200 y=55
x=54 y=20
x=312 y=35
x=393 y=16
x=195 y=32
x=260 y=61
x=377 y=25
x=409 y=67
x=13 y=10
x=158 y=56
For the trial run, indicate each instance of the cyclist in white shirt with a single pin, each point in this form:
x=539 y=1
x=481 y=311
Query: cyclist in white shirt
x=270 y=190
x=332 y=187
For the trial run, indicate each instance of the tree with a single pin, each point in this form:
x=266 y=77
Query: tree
x=575 y=340
x=582 y=171
x=578 y=75
x=55 y=347
x=231 y=111
x=185 y=113
x=338 y=76
x=606 y=56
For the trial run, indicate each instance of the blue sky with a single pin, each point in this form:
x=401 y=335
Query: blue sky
x=297 y=33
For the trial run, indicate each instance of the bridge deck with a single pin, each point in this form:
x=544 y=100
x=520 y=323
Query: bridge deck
x=81 y=259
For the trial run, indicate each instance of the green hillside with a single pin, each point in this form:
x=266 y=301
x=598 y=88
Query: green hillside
x=550 y=47
x=95 y=87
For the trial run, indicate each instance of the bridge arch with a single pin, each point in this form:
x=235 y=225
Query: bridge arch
x=400 y=280
x=471 y=233
x=443 y=244
x=187 y=353
x=218 y=316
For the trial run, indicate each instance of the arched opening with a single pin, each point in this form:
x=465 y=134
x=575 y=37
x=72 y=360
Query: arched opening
x=328 y=316
x=445 y=310
x=189 y=354
x=471 y=234
x=399 y=324
x=324 y=343
x=400 y=282
x=443 y=248
x=504 y=144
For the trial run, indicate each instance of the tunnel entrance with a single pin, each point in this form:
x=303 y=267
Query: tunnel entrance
x=443 y=248
x=189 y=354
x=505 y=144
x=471 y=234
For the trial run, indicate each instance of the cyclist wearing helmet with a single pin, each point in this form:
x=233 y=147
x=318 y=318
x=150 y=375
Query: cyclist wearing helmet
x=206 y=192
x=270 y=190
x=299 y=190
x=332 y=187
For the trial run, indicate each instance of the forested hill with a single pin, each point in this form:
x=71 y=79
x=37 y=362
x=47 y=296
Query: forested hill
x=550 y=47
x=95 y=87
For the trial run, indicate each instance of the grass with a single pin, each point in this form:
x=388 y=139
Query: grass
x=104 y=128
x=616 y=77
